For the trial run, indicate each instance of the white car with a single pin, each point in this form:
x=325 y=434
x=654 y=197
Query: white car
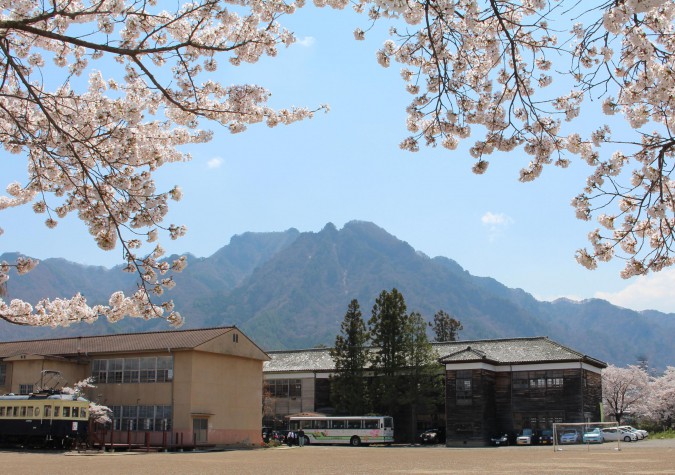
x=642 y=434
x=525 y=438
x=614 y=434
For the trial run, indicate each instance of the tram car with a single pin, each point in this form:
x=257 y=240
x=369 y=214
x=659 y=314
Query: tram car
x=48 y=419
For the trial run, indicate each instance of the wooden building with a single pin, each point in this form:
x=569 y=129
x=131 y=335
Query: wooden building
x=503 y=386
x=492 y=387
x=189 y=387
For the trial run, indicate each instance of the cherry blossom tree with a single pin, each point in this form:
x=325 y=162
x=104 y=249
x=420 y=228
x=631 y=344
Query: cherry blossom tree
x=99 y=94
x=97 y=412
x=484 y=70
x=477 y=70
x=625 y=390
x=662 y=399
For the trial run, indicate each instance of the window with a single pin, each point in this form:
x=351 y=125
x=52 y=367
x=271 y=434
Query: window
x=29 y=411
x=520 y=380
x=25 y=388
x=354 y=424
x=133 y=370
x=554 y=379
x=3 y=373
x=339 y=424
x=56 y=411
x=284 y=388
x=48 y=411
x=141 y=418
x=537 y=380
x=464 y=393
x=76 y=412
x=370 y=424
x=2 y=411
x=66 y=411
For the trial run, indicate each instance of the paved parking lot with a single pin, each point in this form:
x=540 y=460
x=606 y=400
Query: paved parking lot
x=644 y=457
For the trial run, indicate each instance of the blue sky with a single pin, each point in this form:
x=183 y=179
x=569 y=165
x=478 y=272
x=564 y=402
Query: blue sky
x=347 y=165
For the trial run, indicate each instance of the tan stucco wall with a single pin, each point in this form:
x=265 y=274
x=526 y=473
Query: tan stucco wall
x=225 y=389
x=28 y=369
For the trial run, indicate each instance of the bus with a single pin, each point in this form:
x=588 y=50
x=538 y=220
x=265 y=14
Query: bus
x=352 y=430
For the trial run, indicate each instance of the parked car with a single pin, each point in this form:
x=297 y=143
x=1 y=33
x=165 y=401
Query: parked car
x=569 y=436
x=593 y=436
x=526 y=437
x=615 y=433
x=546 y=437
x=500 y=440
x=642 y=434
x=432 y=436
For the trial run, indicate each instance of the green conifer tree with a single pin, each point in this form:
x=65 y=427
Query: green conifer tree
x=350 y=354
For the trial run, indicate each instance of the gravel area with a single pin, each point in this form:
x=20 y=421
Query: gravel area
x=644 y=457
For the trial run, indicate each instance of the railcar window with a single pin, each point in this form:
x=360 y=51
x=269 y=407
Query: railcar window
x=37 y=411
x=29 y=411
x=57 y=409
x=76 y=412
x=48 y=411
x=2 y=411
x=23 y=411
x=66 y=411
x=15 y=411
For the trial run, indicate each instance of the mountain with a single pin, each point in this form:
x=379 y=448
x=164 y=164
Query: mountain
x=290 y=290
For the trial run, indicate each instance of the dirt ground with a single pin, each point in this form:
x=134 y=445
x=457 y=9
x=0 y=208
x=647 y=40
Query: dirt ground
x=644 y=457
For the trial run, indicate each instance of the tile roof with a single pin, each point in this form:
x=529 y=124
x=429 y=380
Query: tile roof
x=512 y=351
x=121 y=343
x=499 y=351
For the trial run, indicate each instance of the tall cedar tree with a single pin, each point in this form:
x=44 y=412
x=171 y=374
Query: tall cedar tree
x=445 y=327
x=388 y=327
x=423 y=391
x=348 y=386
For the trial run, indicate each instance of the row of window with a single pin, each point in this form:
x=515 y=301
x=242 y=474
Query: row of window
x=46 y=412
x=133 y=370
x=284 y=387
x=537 y=380
x=143 y=418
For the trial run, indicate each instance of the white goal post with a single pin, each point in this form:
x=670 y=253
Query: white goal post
x=586 y=435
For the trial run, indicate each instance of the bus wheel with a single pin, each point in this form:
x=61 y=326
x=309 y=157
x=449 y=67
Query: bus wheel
x=355 y=441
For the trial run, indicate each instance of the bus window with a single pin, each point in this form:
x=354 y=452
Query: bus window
x=320 y=424
x=371 y=424
x=354 y=424
x=66 y=411
x=339 y=424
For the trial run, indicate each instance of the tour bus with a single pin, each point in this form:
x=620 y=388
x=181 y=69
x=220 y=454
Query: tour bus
x=352 y=430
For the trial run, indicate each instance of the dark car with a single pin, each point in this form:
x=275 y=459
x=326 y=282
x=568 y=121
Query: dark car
x=500 y=440
x=546 y=437
x=432 y=436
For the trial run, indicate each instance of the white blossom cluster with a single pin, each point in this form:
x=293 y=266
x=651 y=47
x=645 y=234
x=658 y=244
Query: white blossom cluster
x=97 y=412
x=92 y=147
x=483 y=70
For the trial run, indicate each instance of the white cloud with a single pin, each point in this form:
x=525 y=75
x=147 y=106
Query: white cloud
x=496 y=223
x=307 y=41
x=215 y=162
x=653 y=292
